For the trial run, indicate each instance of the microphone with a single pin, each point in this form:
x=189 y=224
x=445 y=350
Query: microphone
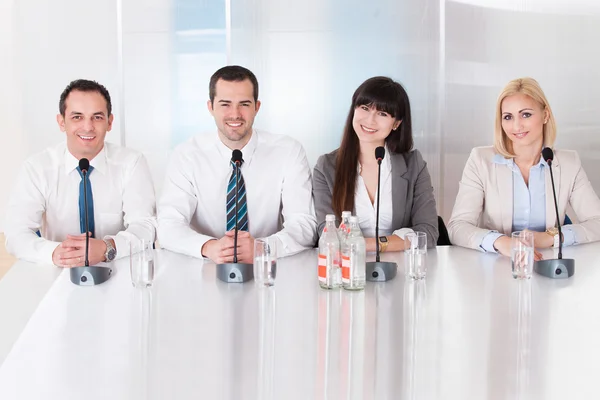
x=379 y=271
x=557 y=268
x=84 y=166
x=86 y=275
x=235 y=272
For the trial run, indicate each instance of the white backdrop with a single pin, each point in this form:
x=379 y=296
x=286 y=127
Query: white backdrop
x=156 y=56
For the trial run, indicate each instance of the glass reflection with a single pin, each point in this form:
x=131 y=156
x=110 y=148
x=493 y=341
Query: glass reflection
x=415 y=373
x=266 y=346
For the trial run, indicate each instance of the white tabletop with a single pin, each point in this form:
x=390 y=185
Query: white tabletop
x=468 y=332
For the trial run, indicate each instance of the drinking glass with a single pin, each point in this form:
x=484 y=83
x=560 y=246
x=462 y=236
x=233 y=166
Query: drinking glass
x=141 y=262
x=415 y=254
x=522 y=252
x=265 y=261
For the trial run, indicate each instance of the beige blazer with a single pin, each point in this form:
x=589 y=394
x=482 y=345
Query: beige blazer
x=485 y=198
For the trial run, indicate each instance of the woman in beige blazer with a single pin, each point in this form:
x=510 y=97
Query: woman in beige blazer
x=507 y=187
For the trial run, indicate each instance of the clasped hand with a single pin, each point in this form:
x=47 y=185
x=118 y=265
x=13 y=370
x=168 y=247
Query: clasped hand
x=71 y=252
x=221 y=250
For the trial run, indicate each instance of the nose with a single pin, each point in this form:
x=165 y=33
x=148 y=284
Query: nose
x=88 y=124
x=371 y=118
x=517 y=124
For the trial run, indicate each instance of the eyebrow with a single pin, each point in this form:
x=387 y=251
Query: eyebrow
x=241 y=102
x=520 y=111
x=80 y=113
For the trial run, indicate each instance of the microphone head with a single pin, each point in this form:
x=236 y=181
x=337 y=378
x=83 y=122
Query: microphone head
x=236 y=156
x=380 y=153
x=84 y=164
x=548 y=154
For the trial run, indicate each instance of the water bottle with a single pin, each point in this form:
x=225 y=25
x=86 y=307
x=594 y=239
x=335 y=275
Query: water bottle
x=354 y=258
x=329 y=256
x=344 y=228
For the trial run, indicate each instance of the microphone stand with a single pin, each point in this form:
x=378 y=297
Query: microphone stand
x=558 y=268
x=379 y=271
x=86 y=275
x=235 y=272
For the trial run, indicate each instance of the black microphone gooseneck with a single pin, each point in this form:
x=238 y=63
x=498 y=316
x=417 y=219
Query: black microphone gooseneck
x=548 y=155
x=84 y=166
x=379 y=154
x=236 y=157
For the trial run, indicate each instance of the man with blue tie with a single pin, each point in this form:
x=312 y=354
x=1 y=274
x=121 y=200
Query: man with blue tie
x=196 y=213
x=45 y=221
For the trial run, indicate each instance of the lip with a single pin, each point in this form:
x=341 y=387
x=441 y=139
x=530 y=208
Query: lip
x=520 y=135
x=237 y=124
x=368 y=131
x=87 y=138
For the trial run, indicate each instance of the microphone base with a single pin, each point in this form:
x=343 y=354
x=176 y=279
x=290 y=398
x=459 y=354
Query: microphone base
x=556 y=269
x=235 y=272
x=381 y=271
x=90 y=276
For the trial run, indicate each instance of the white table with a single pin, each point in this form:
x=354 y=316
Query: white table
x=468 y=332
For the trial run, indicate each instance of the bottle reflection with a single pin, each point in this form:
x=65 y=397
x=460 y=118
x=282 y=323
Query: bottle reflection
x=267 y=311
x=328 y=345
x=353 y=344
x=415 y=371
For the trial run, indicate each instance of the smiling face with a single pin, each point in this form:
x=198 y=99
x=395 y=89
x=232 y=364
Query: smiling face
x=372 y=125
x=523 y=121
x=234 y=109
x=85 y=122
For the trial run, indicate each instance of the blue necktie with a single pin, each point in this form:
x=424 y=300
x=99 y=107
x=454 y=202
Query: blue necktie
x=90 y=204
x=242 y=205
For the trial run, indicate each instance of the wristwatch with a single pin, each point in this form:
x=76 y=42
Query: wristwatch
x=111 y=252
x=554 y=233
x=383 y=243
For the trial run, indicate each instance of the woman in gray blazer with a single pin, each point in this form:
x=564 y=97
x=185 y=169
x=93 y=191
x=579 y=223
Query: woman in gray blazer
x=346 y=179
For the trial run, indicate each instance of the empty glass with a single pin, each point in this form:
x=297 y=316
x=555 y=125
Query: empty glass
x=141 y=262
x=265 y=261
x=522 y=252
x=415 y=254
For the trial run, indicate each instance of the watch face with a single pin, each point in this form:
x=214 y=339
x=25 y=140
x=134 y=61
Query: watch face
x=383 y=239
x=111 y=254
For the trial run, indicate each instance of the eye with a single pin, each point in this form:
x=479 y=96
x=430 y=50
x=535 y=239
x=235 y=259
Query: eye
x=76 y=117
x=98 y=117
x=383 y=114
x=526 y=115
x=364 y=108
x=507 y=117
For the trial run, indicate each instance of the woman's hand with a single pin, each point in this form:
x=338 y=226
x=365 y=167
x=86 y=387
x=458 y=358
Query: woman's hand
x=503 y=246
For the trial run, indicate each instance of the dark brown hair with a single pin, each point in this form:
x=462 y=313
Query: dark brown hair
x=383 y=94
x=83 y=85
x=232 y=73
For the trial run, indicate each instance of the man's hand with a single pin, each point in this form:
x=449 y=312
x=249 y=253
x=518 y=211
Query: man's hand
x=219 y=250
x=245 y=249
x=503 y=246
x=71 y=252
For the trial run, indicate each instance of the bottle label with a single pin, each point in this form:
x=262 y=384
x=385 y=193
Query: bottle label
x=322 y=268
x=345 y=269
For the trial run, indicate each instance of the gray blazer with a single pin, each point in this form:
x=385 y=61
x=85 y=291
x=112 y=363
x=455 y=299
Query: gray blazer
x=412 y=193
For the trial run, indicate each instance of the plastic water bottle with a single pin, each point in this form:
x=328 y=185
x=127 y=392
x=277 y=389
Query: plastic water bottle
x=354 y=258
x=344 y=228
x=329 y=256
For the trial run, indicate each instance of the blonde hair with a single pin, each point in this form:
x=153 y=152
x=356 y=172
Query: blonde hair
x=529 y=87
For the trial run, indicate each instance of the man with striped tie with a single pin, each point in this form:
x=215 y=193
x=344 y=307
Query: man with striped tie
x=45 y=221
x=196 y=214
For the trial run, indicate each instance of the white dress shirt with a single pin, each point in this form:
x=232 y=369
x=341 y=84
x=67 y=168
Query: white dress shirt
x=46 y=198
x=192 y=211
x=367 y=211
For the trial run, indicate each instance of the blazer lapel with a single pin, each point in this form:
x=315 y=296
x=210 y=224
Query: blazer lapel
x=399 y=189
x=504 y=176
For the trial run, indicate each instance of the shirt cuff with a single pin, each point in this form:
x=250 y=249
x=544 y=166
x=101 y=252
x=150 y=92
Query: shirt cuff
x=47 y=249
x=487 y=243
x=569 y=238
x=401 y=233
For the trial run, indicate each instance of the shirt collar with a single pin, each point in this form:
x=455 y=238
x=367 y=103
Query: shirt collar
x=499 y=159
x=247 y=150
x=99 y=162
